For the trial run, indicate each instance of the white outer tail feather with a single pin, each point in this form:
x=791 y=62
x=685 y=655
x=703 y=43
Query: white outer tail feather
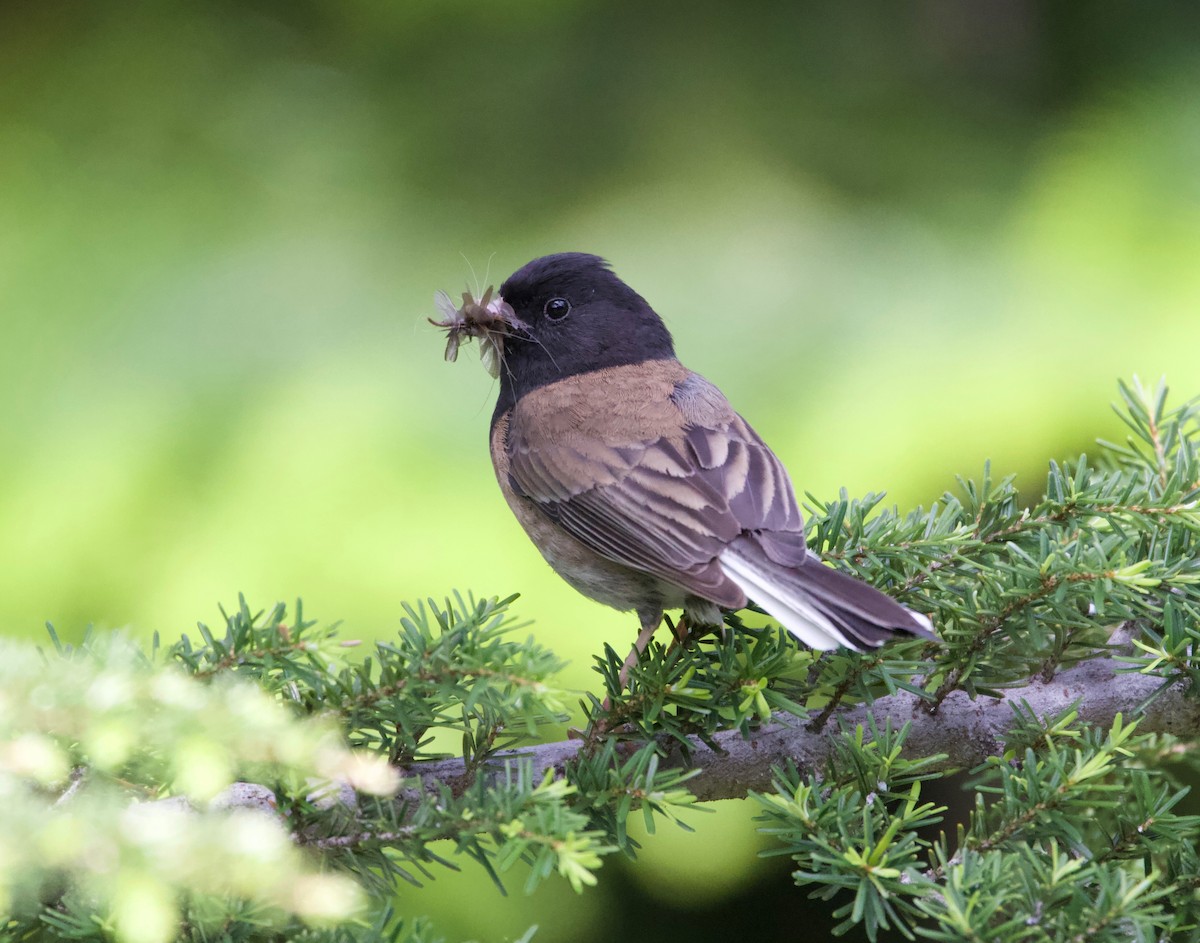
x=795 y=613
x=923 y=619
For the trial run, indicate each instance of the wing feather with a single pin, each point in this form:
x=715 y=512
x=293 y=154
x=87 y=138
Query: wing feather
x=667 y=504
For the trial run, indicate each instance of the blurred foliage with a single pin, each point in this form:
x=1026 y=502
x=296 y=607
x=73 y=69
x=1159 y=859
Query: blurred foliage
x=904 y=239
x=120 y=820
x=114 y=776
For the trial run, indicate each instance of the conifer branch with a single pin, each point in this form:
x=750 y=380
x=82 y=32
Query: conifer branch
x=963 y=732
x=1070 y=730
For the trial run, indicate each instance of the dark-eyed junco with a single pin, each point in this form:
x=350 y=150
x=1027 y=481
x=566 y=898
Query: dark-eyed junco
x=634 y=476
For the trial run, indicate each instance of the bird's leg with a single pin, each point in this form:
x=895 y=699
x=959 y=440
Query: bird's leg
x=651 y=619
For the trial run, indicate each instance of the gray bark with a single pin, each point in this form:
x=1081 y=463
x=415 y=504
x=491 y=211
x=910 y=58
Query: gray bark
x=968 y=730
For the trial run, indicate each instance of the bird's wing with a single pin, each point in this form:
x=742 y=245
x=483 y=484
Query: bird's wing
x=663 y=490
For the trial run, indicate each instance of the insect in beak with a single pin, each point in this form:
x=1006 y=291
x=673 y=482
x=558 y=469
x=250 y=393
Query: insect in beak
x=490 y=318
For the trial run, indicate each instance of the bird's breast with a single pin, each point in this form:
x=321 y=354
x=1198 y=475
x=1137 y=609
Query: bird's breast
x=615 y=406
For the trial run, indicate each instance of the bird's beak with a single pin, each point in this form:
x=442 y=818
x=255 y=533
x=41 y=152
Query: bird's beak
x=489 y=318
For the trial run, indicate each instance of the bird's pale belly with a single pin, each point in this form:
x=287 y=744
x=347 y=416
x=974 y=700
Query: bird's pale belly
x=603 y=580
x=591 y=574
x=595 y=576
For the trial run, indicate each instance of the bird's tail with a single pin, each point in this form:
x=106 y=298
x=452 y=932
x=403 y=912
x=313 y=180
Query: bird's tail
x=822 y=607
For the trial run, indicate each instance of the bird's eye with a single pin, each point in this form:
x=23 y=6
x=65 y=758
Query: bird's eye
x=557 y=308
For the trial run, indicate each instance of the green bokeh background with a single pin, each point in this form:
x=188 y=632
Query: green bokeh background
x=904 y=239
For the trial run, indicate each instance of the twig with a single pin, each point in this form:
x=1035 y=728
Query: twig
x=966 y=730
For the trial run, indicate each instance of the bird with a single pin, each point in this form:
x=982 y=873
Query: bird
x=635 y=478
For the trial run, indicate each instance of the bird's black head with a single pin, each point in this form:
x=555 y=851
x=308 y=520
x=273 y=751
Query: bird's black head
x=576 y=316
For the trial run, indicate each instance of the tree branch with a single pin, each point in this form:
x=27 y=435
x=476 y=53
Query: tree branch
x=967 y=730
